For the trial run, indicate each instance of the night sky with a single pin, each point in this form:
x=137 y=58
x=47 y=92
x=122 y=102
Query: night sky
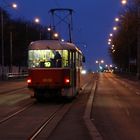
x=93 y=20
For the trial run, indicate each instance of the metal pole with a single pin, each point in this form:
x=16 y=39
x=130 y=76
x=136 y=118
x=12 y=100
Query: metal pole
x=138 y=45
x=99 y=66
x=71 y=25
x=11 y=50
x=40 y=35
x=2 y=45
x=70 y=38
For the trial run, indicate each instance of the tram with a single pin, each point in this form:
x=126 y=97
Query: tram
x=54 y=67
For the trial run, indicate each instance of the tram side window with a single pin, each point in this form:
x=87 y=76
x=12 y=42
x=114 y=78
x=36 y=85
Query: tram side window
x=70 y=59
x=74 y=59
x=65 y=62
x=77 y=59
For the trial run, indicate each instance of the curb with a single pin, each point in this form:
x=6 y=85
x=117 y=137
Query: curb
x=95 y=135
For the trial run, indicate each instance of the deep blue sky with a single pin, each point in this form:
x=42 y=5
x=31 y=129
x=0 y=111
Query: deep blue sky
x=92 y=22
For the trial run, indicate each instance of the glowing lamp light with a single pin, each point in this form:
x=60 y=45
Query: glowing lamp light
x=124 y=2
x=97 y=61
x=109 y=43
x=49 y=29
x=110 y=34
x=37 y=20
x=106 y=65
x=83 y=72
x=56 y=35
x=116 y=19
x=114 y=28
x=14 y=5
x=102 y=61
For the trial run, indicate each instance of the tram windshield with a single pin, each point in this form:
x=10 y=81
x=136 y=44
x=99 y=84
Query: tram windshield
x=47 y=58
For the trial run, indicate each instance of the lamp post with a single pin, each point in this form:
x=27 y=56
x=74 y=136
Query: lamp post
x=2 y=46
x=2 y=38
x=138 y=44
x=37 y=21
x=11 y=51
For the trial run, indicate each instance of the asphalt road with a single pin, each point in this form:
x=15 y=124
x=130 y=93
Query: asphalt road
x=116 y=108
x=115 y=111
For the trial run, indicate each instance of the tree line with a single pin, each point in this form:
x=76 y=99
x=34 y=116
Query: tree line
x=123 y=47
x=17 y=34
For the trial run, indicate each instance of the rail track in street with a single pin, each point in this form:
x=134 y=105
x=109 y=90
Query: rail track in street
x=15 y=113
x=35 y=120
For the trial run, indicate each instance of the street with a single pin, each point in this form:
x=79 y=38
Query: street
x=114 y=111
x=116 y=108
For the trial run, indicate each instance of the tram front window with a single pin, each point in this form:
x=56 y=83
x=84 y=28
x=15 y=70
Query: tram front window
x=47 y=58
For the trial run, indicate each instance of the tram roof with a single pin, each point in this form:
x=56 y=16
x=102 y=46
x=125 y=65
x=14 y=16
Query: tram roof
x=52 y=45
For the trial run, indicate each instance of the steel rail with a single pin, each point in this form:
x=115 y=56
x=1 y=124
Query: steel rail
x=51 y=117
x=15 y=113
x=12 y=90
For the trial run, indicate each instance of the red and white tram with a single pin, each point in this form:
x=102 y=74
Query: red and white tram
x=54 y=68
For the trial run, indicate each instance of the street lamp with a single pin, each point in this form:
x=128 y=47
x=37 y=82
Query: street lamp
x=109 y=40
x=2 y=37
x=14 y=5
x=56 y=36
x=110 y=34
x=37 y=21
x=49 y=29
x=138 y=44
x=109 y=43
x=115 y=28
x=116 y=19
x=124 y=2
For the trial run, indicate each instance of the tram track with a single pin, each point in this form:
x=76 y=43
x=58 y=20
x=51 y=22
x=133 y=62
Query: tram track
x=50 y=124
x=11 y=91
x=14 y=103
x=38 y=131
x=15 y=113
x=45 y=118
x=55 y=116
